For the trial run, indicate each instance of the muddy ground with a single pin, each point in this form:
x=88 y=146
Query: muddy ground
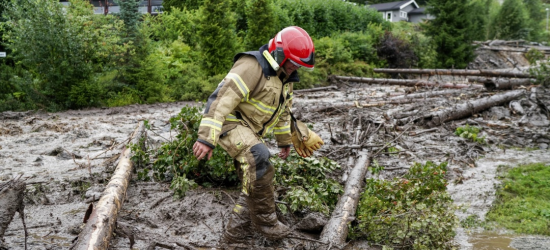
x=67 y=158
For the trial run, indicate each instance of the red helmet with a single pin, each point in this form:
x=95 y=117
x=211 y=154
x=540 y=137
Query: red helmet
x=293 y=43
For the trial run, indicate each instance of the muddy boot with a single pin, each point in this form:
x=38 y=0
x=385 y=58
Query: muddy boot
x=261 y=202
x=238 y=229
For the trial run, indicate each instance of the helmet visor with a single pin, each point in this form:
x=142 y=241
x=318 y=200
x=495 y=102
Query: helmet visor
x=300 y=66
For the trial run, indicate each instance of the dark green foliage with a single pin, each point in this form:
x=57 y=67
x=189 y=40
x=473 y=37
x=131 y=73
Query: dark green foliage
x=398 y=53
x=413 y=212
x=130 y=15
x=168 y=5
x=49 y=45
x=218 y=40
x=323 y=18
x=480 y=18
x=537 y=14
x=511 y=21
x=262 y=23
x=452 y=32
x=175 y=159
x=541 y=73
x=305 y=184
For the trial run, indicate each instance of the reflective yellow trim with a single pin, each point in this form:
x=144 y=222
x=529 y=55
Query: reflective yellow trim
x=240 y=84
x=231 y=118
x=281 y=130
x=208 y=122
x=261 y=106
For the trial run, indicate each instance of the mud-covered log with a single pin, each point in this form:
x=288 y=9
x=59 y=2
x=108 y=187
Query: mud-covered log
x=458 y=72
x=316 y=89
x=501 y=84
x=102 y=222
x=404 y=82
x=335 y=231
x=11 y=201
x=469 y=108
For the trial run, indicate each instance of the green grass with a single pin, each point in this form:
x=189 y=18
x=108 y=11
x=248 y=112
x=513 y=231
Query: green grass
x=523 y=200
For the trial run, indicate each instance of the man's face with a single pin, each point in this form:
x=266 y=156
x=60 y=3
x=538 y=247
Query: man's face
x=289 y=67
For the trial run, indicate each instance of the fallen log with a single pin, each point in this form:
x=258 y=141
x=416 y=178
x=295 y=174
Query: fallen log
x=404 y=82
x=502 y=84
x=102 y=222
x=463 y=72
x=316 y=89
x=335 y=231
x=469 y=108
x=11 y=201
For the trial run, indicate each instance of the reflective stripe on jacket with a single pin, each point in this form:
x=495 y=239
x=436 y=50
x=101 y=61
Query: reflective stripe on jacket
x=252 y=94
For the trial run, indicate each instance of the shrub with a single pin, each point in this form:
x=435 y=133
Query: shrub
x=470 y=132
x=305 y=183
x=412 y=212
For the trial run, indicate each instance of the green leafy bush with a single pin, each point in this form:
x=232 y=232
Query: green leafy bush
x=470 y=132
x=305 y=183
x=412 y=212
x=175 y=159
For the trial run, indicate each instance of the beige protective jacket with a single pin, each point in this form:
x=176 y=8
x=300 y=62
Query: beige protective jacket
x=254 y=95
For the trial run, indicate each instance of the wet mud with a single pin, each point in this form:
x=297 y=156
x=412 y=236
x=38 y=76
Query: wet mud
x=67 y=158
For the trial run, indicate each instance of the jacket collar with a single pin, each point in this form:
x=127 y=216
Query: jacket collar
x=267 y=70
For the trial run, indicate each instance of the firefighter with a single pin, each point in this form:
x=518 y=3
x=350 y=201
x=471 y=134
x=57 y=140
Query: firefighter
x=254 y=99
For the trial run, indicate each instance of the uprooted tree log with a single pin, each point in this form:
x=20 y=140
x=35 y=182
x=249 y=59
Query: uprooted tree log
x=404 y=82
x=11 y=201
x=102 y=222
x=316 y=89
x=335 y=231
x=469 y=108
x=502 y=84
x=462 y=72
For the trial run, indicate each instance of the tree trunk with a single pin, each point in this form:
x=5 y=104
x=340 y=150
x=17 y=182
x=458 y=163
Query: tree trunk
x=11 y=201
x=469 y=108
x=502 y=84
x=102 y=222
x=404 y=82
x=336 y=230
x=316 y=89
x=464 y=72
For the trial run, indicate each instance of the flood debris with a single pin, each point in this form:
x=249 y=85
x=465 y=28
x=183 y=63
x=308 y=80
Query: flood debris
x=335 y=231
x=11 y=201
x=103 y=218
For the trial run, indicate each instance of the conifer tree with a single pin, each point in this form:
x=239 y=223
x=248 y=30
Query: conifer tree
x=217 y=36
x=452 y=32
x=511 y=22
x=182 y=4
x=536 y=16
x=262 y=23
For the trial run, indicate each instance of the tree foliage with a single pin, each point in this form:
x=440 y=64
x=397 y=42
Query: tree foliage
x=51 y=45
x=511 y=21
x=218 y=40
x=168 y=5
x=452 y=32
x=262 y=23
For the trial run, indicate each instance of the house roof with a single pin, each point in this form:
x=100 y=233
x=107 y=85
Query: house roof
x=420 y=10
x=393 y=5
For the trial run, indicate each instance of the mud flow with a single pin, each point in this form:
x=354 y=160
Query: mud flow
x=66 y=159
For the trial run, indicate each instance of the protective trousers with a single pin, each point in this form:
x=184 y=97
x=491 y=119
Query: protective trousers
x=256 y=204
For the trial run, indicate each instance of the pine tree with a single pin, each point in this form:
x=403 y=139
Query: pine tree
x=185 y=4
x=262 y=23
x=536 y=16
x=217 y=36
x=451 y=31
x=511 y=22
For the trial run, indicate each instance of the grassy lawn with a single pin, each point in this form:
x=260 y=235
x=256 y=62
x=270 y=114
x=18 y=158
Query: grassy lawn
x=523 y=200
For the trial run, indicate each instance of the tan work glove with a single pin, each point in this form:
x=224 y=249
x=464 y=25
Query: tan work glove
x=305 y=141
x=299 y=145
